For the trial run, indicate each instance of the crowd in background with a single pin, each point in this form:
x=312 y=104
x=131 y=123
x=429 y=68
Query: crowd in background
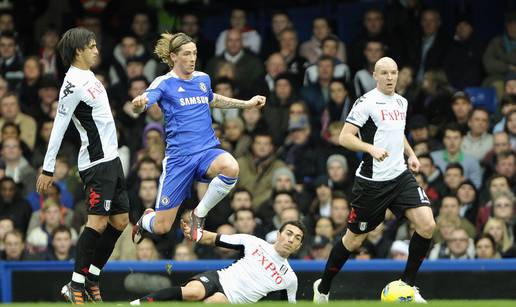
x=291 y=164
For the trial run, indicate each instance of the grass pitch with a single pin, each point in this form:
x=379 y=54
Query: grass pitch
x=436 y=303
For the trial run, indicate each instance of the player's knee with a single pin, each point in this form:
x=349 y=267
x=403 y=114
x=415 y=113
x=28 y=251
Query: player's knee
x=120 y=222
x=426 y=229
x=352 y=242
x=230 y=169
x=192 y=295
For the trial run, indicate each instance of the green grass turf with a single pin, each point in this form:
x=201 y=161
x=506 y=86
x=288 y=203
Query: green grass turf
x=436 y=303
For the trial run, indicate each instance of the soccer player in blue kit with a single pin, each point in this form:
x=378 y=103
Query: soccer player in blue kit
x=192 y=151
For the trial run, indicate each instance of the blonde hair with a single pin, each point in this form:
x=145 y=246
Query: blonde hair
x=506 y=242
x=170 y=43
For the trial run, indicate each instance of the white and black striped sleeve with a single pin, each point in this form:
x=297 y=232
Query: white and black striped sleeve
x=236 y=241
x=65 y=108
x=359 y=113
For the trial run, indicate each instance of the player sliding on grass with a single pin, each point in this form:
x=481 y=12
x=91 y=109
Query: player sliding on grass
x=185 y=96
x=382 y=180
x=263 y=269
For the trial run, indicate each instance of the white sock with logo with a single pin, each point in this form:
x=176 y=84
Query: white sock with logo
x=219 y=187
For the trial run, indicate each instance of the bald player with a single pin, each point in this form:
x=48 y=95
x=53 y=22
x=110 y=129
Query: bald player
x=383 y=179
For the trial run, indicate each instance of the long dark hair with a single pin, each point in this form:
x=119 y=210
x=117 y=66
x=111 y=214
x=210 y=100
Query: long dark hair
x=73 y=40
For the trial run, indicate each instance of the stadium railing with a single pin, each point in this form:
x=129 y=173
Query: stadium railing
x=377 y=265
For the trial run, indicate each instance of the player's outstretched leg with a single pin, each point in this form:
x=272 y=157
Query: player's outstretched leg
x=219 y=187
x=145 y=222
x=192 y=291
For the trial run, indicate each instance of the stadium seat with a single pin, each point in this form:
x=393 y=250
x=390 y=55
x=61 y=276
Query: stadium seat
x=483 y=96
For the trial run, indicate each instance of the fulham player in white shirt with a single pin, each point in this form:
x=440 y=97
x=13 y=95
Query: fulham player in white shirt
x=263 y=269
x=383 y=180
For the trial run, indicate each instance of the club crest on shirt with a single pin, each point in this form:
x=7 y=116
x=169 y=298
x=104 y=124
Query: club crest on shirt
x=203 y=87
x=165 y=200
x=62 y=109
x=107 y=204
x=362 y=226
x=400 y=103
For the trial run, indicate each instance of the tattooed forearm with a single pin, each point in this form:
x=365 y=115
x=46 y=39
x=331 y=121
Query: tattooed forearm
x=224 y=102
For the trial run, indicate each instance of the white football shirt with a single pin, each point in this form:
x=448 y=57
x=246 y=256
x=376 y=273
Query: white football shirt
x=260 y=271
x=83 y=99
x=381 y=120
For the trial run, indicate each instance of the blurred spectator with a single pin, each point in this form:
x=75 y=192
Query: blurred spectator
x=142 y=27
x=289 y=43
x=67 y=149
x=506 y=166
x=431 y=44
x=460 y=245
x=286 y=215
x=11 y=59
x=14 y=245
x=339 y=212
x=469 y=201
x=332 y=147
x=275 y=65
x=363 y=79
x=499 y=57
x=329 y=47
x=399 y=250
x=225 y=87
x=48 y=94
x=495 y=185
x=17 y=167
x=6 y=225
x=143 y=198
x=339 y=177
x=190 y=25
x=12 y=130
x=61 y=249
x=324 y=228
x=279 y=22
x=507 y=104
x=445 y=226
x=50 y=61
x=184 y=252
x=419 y=129
x=453 y=177
x=105 y=43
x=311 y=49
x=146 y=251
x=463 y=59
x=11 y=113
x=145 y=168
x=234 y=135
x=485 y=247
x=246 y=222
x=129 y=47
x=338 y=107
x=253 y=120
x=477 y=142
x=510 y=128
x=432 y=173
x=503 y=209
x=39 y=239
x=250 y=37
x=365 y=252
x=406 y=86
x=13 y=205
x=282 y=200
x=498 y=230
x=452 y=152
x=450 y=206
x=321 y=205
x=32 y=74
x=248 y=67
x=373 y=28
x=276 y=112
x=501 y=143
x=319 y=248
x=433 y=100
x=257 y=168
x=120 y=90
x=430 y=192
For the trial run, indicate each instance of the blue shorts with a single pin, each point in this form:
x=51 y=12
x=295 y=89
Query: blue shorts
x=178 y=174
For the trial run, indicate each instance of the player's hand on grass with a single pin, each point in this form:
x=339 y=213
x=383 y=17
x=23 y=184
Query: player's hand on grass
x=413 y=164
x=43 y=183
x=379 y=154
x=257 y=101
x=139 y=102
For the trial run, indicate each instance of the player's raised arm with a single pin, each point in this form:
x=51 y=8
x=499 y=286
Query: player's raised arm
x=224 y=102
x=139 y=103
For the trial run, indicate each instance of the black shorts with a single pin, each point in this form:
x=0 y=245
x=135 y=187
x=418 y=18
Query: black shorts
x=210 y=281
x=106 y=192
x=374 y=197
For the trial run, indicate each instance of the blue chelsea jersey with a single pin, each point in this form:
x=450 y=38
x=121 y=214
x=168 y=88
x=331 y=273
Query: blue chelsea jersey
x=186 y=108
